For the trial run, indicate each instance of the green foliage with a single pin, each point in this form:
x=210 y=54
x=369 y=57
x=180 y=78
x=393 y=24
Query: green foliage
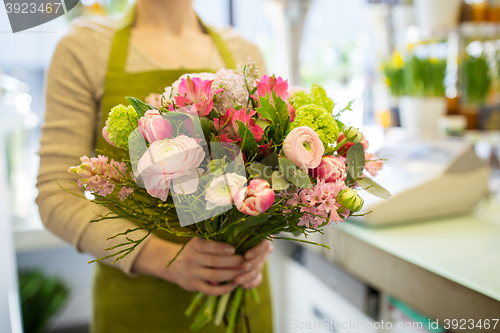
x=477 y=78
x=249 y=146
x=41 y=297
x=139 y=106
x=122 y=121
x=277 y=113
x=298 y=177
x=317 y=96
x=320 y=120
x=356 y=161
x=372 y=187
x=422 y=77
x=279 y=182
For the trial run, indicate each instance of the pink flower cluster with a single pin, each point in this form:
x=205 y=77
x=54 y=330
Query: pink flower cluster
x=320 y=204
x=228 y=125
x=99 y=176
x=195 y=96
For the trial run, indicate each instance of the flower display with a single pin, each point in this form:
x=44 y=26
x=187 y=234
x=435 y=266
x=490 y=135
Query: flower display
x=303 y=147
x=331 y=169
x=320 y=120
x=255 y=199
x=228 y=124
x=342 y=140
x=99 y=176
x=349 y=199
x=120 y=123
x=154 y=127
x=373 y=165
x=222 y=190
x=246 y=157
x=171 y=160
x=197 y=94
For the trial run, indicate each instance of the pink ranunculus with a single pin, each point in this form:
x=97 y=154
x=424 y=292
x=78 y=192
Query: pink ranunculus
x=173 y=161
x=303 y=147
x=154 y=127
x=267 y=84
x=105 y=134
x=343 y=151
x=198 y=94
x=254 y=199
x=230 y=125
x=373 y=165
x=331 y=169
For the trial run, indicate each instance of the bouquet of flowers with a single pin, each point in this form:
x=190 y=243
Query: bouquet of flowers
x=231 y=157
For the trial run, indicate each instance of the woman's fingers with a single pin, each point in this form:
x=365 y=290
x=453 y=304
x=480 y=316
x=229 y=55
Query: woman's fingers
x=214 y=290
x=211 y=260
x=253 y=283
x=251 y=274
x=217 y=275
x=264 y=247
x=203 y=246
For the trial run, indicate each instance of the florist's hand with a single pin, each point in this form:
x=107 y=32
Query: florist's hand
x=198 y=267
x=254 y=263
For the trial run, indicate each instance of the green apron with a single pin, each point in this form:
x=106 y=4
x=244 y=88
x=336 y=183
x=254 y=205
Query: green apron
x=144 y=304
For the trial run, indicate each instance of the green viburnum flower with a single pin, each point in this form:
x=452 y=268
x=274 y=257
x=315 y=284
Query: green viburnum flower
x=318 y=119
x=317 y=96
x=121 y=122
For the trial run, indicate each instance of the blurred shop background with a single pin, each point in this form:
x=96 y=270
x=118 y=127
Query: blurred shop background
x=424 y=78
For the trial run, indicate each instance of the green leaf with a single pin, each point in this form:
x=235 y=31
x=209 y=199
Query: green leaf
x=372 y=187
x=267 y=111
x=208 y=126
x=253 y=221
x=279 y=183
x=300 y=179
x=258 y=170
x=271 y=160
x=139 y=106
x=263 y=123
x=356 y=160
x=287 y=167
x=248 y=144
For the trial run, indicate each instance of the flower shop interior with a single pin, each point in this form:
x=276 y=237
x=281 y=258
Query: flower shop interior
x=422 y=80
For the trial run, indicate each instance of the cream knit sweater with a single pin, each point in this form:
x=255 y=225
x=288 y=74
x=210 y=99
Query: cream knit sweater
x=75 y=87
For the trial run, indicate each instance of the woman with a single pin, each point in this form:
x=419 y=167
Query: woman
x=94 y=67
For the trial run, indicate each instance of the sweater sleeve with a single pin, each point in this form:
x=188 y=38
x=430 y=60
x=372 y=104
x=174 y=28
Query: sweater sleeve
x=69 y=132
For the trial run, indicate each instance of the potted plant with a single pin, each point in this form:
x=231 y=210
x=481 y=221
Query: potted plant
x=418 y=82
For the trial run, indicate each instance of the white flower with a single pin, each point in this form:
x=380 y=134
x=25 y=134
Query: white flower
x=222 y=190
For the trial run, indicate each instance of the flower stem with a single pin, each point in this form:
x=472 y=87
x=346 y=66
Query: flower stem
x=205 y=315
x=235 y=307
x=255 y=295
x=196 y=300
x=340 y=145
x=221 y=308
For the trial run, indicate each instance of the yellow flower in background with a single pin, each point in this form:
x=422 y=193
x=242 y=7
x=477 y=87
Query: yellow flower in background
x=397 y=59
x=433 y=60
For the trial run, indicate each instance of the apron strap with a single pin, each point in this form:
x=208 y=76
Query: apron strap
x=120 y=44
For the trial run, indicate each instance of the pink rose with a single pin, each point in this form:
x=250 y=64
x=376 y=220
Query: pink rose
x=171 y=160
x=154 y=127
x=331 y=169
x=303 y=147
x=373 y=165
x=254 y=199
x=345 y=148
